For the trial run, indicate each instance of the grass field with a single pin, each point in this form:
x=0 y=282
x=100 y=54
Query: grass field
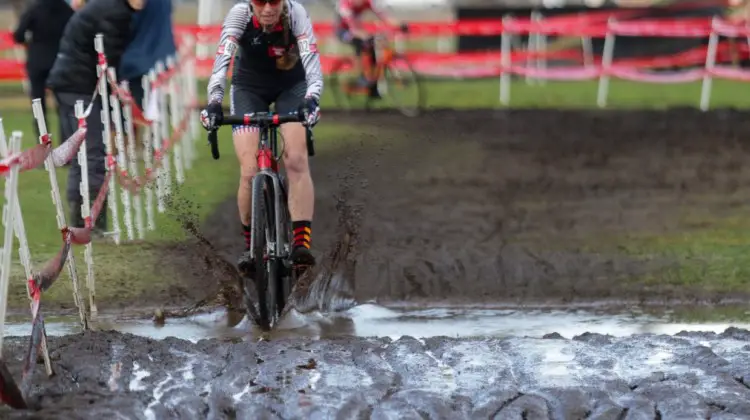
x=130 y=270
x=623 y=94
x=484 y=93
x=120 y=270
x=708 y=253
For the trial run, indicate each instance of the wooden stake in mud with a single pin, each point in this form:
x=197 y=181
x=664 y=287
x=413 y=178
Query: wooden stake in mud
x=156 y=131
x=175 y=117
x=101 y=73
x=9 y=392
x=162 y=94
x=192 y=93
x=148 y=152
x=23 y=251
x=121 y=158
x=36 y=106
x=133 y=160
x=11 y=199
x=88 y=251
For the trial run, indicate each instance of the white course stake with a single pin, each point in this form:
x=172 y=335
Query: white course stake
x=174 y=118
x=23 y=248
x=156 y=135
x=713 y=43
x=88 y=250
x=193 y=101
x=505 y=63
x=36 y=106
x=107 y=139
x=122 y=161
x=148 y=155
x=164 y=135
x=185 y=112
x=11 y=199
x=133 y=163
x=607 y=54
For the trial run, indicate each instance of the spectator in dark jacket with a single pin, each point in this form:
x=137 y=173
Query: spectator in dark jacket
x=73 y=77
x=152 y=41
x=45 y=21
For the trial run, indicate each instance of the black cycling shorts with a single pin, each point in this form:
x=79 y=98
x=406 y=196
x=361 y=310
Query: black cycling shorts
x=246 y=100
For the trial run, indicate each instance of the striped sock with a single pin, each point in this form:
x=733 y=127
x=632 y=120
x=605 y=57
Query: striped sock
x=302 y=232
x=246 y=234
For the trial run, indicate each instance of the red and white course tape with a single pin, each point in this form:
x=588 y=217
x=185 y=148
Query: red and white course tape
x=168 y=130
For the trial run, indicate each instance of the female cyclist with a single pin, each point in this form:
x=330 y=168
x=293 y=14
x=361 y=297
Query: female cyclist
x=277 y=62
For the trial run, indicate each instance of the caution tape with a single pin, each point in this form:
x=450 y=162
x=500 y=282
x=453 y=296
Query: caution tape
x=17 y=161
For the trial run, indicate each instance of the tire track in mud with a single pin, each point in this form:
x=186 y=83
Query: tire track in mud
x=483 y=205
x=523 y=179
x=327 y=287
x=688 y=375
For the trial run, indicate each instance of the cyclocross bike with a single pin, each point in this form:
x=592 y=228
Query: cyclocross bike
x=391 y=71
x=271 y=229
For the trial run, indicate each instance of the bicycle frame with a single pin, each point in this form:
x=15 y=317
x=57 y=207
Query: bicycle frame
x=278 y=243
x=267 y=159
x=383 y=50
x=388 y=74
x=374 y=67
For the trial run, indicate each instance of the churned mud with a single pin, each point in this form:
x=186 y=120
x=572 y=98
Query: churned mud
x=512 y=206
x=502 y=205
x=460 y=206
x=113 y=375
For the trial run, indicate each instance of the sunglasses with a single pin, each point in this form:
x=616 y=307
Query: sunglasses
x=261 y=3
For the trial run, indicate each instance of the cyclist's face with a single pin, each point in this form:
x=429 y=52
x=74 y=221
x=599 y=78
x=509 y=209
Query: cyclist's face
x=267 y=11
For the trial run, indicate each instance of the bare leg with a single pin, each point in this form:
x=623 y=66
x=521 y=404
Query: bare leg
x=246 y=147
x=301 y=190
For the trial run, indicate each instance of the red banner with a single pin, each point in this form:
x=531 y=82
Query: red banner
x=593 y=24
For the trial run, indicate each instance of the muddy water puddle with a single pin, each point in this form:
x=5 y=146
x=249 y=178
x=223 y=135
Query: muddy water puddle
x=371 y=320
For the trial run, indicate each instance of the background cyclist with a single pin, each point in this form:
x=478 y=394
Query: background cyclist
x=349 y=29
x=277 y=62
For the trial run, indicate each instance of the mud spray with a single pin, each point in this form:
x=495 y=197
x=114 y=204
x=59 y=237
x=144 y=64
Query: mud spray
x=519 y=179
x=327 y=287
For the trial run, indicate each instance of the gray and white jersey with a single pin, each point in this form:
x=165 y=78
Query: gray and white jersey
x=255 y=63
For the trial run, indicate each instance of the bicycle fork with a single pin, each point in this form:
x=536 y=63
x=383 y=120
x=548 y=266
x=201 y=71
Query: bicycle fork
x=263 y=174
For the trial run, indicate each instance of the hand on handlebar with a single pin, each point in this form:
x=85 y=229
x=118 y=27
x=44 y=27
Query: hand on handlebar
x=403 y=27
x=212 y=116
x=310 y=110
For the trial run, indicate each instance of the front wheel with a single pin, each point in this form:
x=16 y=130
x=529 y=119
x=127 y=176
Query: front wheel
x=401 y=86
x=285 y=279
x=265 y=270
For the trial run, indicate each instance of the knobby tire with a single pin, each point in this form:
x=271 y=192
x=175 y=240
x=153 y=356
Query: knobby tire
x=389 y=76
x=263 y=267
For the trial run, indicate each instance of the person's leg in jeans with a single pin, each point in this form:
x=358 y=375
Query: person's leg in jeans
x=95 y=154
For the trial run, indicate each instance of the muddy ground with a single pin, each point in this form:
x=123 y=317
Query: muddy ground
x=475 y=206
x=112 y=375
x=502 y=205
